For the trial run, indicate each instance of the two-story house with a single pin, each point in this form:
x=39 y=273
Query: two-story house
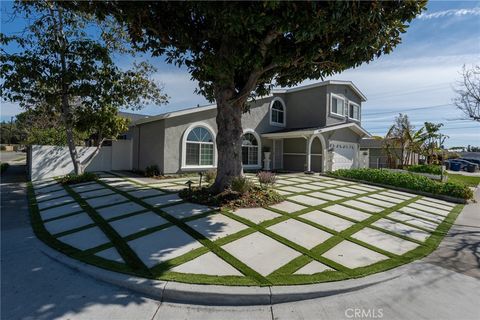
x=311 y=128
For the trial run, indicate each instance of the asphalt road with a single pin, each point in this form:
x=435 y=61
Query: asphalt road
x=445 y=285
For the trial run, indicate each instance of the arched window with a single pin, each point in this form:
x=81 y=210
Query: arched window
x=199 y=149
x=277 y=112
x=250 y=150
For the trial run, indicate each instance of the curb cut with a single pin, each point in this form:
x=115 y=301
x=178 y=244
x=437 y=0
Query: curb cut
x=216 y=295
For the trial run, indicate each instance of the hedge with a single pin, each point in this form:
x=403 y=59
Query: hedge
x=425 y=168
x=407 y=181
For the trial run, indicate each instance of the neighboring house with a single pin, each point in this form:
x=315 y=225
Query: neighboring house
x=315 y=128
x=380 y=158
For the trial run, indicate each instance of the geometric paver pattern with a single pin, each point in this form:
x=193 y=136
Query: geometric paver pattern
x=324 y=225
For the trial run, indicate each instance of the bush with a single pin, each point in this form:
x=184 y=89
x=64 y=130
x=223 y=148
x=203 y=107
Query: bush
x=3 y=167
x=210 y=176
x=152 y=171
x=266 y=179
x=241 y=185
x=407 y=181
x=425 y=168
x=73 y=178
x=255 y=197
x=3 y=148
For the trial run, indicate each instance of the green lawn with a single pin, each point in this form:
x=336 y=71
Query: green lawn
x=468 y=180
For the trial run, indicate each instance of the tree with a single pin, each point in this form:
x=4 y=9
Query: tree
x=468 y=93
x=433 y=140
x=236 y=49
x=398 y=137
x=62 y=67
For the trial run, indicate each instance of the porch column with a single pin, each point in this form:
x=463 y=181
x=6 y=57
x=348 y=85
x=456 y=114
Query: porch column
x=308 y=143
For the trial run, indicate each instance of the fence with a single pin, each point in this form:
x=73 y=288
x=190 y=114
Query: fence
x=51 y=161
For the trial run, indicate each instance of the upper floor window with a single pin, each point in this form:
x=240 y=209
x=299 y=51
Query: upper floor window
x=277 y=112
x=199 y=150
x=354 y=111
x=250 y=154
x=337 y=105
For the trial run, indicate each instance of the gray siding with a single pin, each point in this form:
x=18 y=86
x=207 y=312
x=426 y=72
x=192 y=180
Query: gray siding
x=306 y=108
x=148 y=145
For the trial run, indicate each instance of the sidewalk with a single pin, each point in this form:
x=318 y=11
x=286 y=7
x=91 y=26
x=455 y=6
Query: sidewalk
x=444 y=285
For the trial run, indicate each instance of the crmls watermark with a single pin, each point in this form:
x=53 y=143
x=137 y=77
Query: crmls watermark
x=360 y=313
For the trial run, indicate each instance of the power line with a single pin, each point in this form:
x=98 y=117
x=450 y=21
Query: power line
x=406 y=110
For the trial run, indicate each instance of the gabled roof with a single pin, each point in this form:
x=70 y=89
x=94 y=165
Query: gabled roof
x=301 y=132
x=324 y=83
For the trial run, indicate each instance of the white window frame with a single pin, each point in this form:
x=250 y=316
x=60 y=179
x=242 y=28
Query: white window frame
x=184 y=146
x=336 y=96
x=259 y=151
x=359 y=113
x=278 y=124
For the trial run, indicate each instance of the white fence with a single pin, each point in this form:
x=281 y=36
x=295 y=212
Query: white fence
x=51 y=161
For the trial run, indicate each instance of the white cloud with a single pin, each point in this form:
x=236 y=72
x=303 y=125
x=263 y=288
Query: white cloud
x=450 y=13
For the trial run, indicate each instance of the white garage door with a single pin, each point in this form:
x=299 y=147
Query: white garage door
x=344 y=155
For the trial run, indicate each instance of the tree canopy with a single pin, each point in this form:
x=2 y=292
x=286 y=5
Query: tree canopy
x=61 y=65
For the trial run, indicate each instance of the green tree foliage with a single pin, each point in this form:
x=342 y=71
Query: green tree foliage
x=63 y=67
x=236 y=49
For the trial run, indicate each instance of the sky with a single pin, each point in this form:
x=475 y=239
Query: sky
x=417 y=78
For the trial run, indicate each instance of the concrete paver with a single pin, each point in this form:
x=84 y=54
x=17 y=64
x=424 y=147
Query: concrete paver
x=352 y=255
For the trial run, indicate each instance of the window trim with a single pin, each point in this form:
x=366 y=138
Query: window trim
x=278 y=124
x=259 y=151
x=184 y=146
x=351 y=103
x=336 y=96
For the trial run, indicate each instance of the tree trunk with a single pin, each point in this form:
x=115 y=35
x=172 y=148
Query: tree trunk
x=66 y=108
x=229 y=138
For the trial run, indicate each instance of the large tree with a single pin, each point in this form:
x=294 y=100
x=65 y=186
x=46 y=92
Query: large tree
x=62 y=62
x=468 y=93
x=236 y=49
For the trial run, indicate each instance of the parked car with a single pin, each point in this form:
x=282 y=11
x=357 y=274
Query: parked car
x=477 y=161
x=464 y=165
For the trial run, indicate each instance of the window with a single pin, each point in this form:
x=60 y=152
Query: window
x=249 y=150
x=354 y=111
x=337 y=106
x=277 y=112
x=199 y=148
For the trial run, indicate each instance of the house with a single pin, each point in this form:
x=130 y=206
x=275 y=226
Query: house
x=379 y=157
x=310 y=128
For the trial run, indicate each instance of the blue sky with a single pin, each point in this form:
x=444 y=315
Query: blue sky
x=419 y=74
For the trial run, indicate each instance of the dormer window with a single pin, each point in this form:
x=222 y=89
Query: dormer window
x=337 y=106
x=277 y=112
x=354 y=111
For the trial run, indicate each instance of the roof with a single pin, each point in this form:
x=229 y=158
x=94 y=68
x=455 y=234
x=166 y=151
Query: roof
x=324 y=83
x=300 y=132
x=131 y=116
x=172 y=114
x=371 y=143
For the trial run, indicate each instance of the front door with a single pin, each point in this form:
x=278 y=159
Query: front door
x=277 y=154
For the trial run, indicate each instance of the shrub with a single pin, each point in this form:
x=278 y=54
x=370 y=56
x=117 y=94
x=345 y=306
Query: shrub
x=407 y=181
x=73 y=178
x=266 y=179
x=425 y=168
x=152 y=171
x=241 y=185
x=3 y=148
x=210 y=176
x=255 y=197
x=4 y=166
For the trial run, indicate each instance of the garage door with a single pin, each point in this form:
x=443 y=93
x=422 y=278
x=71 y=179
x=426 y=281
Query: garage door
x=344 y=155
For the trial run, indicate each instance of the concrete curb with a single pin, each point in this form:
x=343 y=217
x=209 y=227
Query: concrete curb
x=216 y=295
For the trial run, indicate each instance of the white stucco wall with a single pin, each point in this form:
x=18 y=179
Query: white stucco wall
x=52 y=161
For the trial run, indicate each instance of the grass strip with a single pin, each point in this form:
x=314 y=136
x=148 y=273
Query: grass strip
x=122 y=247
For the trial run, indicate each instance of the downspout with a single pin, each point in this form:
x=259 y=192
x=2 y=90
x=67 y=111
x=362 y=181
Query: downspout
x=138 y=149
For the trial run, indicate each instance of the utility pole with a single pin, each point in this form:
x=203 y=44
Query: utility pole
x=11 y=130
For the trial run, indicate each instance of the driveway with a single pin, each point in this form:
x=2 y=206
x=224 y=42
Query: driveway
x=414 y=294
